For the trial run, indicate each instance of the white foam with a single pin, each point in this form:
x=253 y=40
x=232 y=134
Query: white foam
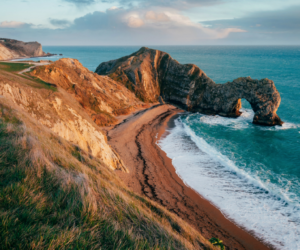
x=250 y=202
x=242 y=122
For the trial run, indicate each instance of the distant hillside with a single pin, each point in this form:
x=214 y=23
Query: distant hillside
x=10 y=49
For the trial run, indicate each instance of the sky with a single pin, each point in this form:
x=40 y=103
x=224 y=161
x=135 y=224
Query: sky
x=152 y=22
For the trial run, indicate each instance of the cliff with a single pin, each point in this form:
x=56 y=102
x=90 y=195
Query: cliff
x=152 y=73
x=100 y=96
x=11 y=49
x=57 y=111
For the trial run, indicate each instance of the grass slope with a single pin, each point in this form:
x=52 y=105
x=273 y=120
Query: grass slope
x=14 y=67
x=55 y=196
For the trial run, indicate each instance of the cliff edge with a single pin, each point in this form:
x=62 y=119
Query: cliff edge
x=152 y=73
x=11 y=49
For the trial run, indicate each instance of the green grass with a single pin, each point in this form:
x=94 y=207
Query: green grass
x=218 y=243
x=53 y=195
x=14 y=67
x=41 y=83
x=17 y=67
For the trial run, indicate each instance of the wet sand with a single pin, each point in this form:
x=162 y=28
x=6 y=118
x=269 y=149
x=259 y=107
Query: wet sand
x=153 y=175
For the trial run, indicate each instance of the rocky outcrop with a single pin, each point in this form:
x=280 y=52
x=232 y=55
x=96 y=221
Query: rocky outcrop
x=11 y=49
x=152 y=73
x=100 y=96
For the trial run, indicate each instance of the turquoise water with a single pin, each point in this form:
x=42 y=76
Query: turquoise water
x=251 y=173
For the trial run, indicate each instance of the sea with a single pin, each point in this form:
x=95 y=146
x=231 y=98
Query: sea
x=250 y=172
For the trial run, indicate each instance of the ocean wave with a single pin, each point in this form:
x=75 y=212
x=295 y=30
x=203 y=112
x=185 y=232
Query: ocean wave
x=242 y=122
x=285 y=126
x=251 y=200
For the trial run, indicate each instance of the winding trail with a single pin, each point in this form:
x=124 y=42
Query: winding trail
x=153 y=175
x=30 y=68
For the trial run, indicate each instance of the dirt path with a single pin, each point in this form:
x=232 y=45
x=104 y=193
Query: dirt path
x=30 y=68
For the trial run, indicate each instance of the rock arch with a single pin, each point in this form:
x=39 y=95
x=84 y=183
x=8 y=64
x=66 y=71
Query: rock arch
x=153 y=73
x=225 y=100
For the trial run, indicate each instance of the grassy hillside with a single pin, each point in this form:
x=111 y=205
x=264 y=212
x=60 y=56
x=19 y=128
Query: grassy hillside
x=55 y=196
x=14 y=67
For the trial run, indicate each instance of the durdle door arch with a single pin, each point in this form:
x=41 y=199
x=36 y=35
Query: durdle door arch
x=154 y=73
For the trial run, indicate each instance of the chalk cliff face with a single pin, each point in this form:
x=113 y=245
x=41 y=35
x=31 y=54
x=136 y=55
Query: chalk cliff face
x=10 y=49
x=100 y=96
x=152 y=73
x=61 y=113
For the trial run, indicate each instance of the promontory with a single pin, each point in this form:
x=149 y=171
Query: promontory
x=13 y=49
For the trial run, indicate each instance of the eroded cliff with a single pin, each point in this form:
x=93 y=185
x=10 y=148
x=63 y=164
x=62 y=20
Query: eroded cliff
x=60 y=112
x=10 y=49
x=100 y=96
x=153 y=73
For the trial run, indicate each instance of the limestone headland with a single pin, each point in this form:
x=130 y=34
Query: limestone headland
x=14 y=49
x=152 y=74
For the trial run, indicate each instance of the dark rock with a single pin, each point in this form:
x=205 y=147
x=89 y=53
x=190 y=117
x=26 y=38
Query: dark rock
x=152 y=73
x=161 y=101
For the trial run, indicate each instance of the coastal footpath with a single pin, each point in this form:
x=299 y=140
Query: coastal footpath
x=81 y=162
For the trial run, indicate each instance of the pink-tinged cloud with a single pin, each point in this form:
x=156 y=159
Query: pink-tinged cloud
x=12 y=24
x=169 y=21
x=135 y=22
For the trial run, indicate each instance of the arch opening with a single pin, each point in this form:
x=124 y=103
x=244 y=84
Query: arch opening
x=241 y=103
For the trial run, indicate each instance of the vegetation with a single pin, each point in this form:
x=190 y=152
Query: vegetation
x=103 y=118
x=123 y=111
x=32 y=81
x=218 y=243
x=14 y=67
x=41 y=83
x=53 y=195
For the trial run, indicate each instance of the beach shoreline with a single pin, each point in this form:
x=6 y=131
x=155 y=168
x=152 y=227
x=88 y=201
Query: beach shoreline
x=26 y=57
x=152 y=174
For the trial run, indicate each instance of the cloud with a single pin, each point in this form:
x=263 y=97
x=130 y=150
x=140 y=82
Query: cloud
x=280 y=21
x=13 y=24
x=170 y=24
x=135 y=22
x=156 y=17
x=61 y=23
x=174 y=4
x=113 y=8
x=81 y=2
x=98 y=20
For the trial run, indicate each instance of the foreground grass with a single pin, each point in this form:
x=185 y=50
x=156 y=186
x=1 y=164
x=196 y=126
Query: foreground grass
x=55 y=196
